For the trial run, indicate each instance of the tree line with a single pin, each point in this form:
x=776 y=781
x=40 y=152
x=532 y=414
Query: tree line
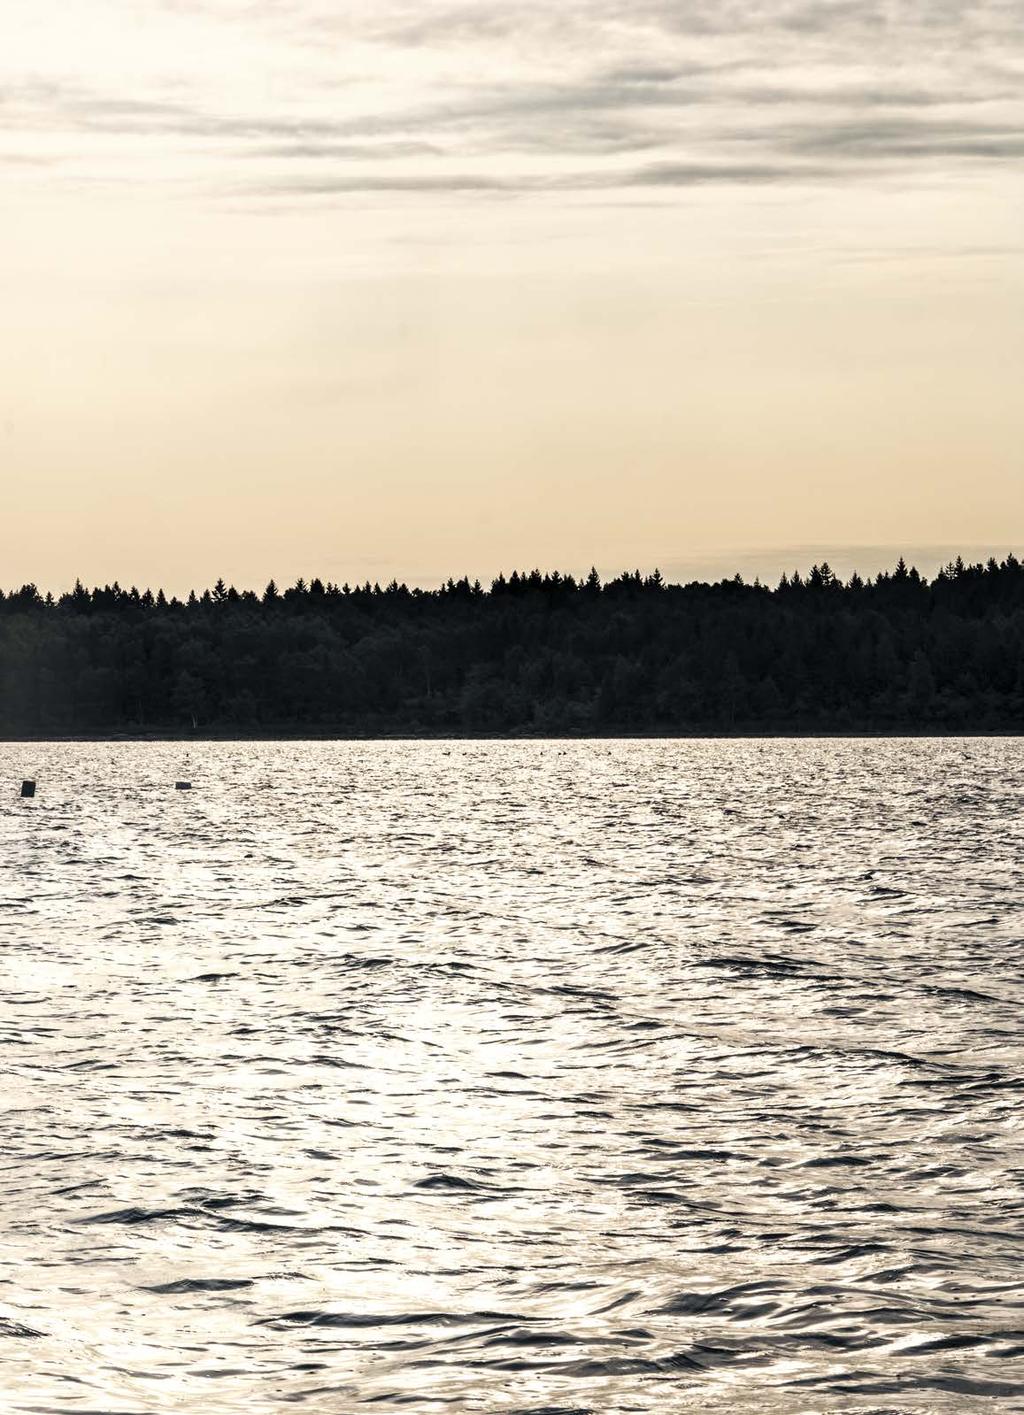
x=531 y=653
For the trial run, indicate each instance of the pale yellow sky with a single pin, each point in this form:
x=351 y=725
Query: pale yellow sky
x=420 y=289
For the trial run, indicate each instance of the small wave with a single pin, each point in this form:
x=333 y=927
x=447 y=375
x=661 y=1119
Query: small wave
x=9 y=1327
x=839 y=1162
x=453 y=1183
x=200 y=1284
x=136 y=1214
x=755 y=967
x=726 y=1300
x=318 y=1318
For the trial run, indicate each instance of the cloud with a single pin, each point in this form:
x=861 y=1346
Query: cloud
x=305 y=149
x=26 y=159
x=664 y=175
x=693 y=174
x=441 y=183
x=417 y=95
x=895 y=139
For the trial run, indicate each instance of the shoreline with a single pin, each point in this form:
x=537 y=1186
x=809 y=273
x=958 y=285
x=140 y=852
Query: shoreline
x=640 y=735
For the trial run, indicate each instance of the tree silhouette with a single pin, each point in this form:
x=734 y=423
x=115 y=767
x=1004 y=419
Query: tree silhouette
x=537 y=652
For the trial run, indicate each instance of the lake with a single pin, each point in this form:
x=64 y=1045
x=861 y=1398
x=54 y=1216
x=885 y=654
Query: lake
x=649 y=1076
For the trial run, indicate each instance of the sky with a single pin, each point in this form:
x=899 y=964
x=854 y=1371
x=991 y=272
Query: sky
x=420 y=289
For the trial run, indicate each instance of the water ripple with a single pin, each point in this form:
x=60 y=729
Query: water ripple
x=533 y=1078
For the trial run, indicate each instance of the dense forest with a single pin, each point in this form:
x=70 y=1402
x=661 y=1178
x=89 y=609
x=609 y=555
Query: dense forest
x=534 y=653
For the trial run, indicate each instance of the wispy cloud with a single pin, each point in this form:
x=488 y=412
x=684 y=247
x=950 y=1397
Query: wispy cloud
x=667 y=175
x=528 y=97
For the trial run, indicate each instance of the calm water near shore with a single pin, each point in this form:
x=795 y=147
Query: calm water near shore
x=564 y=1077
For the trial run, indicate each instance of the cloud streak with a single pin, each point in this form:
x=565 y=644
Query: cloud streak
x=666 y=175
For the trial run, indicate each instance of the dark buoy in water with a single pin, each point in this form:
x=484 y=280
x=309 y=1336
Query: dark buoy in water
x=183 y=786
x=28 y=789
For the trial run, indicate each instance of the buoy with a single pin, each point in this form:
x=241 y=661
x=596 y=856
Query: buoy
x=28 y=788
x=183 y=786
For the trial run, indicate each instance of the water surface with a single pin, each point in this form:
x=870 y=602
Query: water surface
x=519 y=1077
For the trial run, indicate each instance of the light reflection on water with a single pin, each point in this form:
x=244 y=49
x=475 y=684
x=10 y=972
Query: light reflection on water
x=565 y=1077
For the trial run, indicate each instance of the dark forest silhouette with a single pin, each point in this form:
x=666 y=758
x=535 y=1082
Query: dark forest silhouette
x=546 y=654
